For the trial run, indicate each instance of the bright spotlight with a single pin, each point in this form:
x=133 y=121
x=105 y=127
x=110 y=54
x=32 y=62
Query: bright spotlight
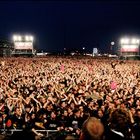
x=137 y=41
x=134 y=41
x=122 y=41
x=27 y=38
x=112 y=43
x=31 y=38
x=125 y=41
x=15 y=38
x=19 y=38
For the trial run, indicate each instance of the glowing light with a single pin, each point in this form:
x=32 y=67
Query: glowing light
x=112 y=43
x=135 y=41
x=31 y=38
x=130 y=41
x=15 y=37
x=19 y=38
x=27 y=38
x=138 y=41
x=125 y=41
x=122 y=41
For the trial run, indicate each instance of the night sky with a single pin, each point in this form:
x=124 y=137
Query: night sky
x=70 y=24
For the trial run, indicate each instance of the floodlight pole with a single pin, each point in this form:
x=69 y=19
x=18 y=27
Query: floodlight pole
x=111 y=46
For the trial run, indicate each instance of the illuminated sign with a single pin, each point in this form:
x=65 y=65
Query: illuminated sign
x=130 y=48
x=23 y=45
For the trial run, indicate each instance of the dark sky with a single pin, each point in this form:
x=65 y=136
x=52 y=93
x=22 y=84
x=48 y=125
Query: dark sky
x=70 y=24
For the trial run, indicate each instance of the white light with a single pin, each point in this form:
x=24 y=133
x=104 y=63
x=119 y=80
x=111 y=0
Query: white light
x=138 y=41
x=31 y=38
x=125 y=41
x=19 y=38
x=15 y=38
x=27 y=38
x=112 y=43
x=134 y=41
x=122 y=41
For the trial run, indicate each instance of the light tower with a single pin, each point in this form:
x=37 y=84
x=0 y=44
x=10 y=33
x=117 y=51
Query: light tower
x=129 y=47
x=23 y=44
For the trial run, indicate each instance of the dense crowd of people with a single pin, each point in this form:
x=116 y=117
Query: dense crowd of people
x=56 y=93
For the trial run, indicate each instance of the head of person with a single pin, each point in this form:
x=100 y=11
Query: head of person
x=138 y=113
x=63 y=104
x=18 y=111
x=65 y=113
x=120 y=120
x=100 y=113
x=33 y=116
x=81 y=108
x=27 y=108
x=77 y=112
x=92 y=129
x=53 y=115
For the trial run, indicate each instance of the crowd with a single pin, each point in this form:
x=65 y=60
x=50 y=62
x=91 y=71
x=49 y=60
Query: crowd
x=57 y=93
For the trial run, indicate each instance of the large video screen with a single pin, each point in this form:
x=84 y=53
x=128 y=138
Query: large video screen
x=23 y=45
x=130 y=48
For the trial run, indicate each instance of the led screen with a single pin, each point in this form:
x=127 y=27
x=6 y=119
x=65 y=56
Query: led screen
x=130 y=48
x=23 y=45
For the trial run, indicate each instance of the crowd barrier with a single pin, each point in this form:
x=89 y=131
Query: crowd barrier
x=11 y=131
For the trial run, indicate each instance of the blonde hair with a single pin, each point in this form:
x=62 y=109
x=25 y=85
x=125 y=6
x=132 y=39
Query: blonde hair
x=92 y=129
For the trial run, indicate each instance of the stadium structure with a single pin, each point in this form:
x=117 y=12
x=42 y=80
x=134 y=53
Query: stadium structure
x=129 y=48
x=23 y=45
x=6 y=48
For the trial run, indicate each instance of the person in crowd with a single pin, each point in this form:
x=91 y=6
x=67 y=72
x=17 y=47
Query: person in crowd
x=120 y=125
x=137 y=124
x=34 y=92
x=92 y=129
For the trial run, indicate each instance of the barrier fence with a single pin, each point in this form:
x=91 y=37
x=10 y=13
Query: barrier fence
x=11 y=131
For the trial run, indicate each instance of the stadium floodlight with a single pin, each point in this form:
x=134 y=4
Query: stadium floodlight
x=138 y=41
x=122 y=41
x=31 y=38
x=27 y=38
x=134 y=41
x=19 y=38
x=15 y=38
x=125 y=41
